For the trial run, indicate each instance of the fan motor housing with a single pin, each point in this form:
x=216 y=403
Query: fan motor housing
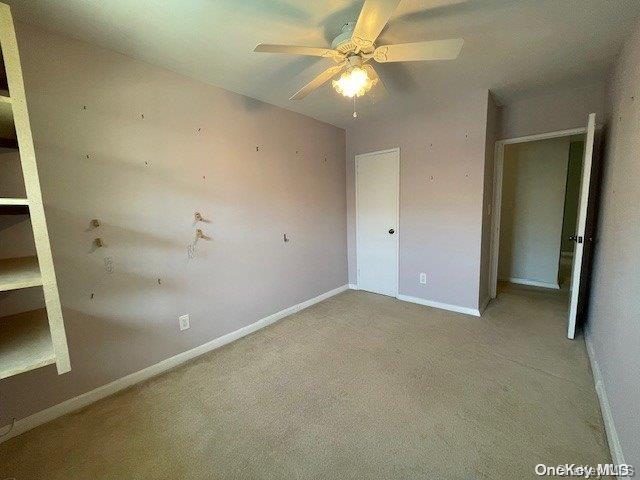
x=345 y=44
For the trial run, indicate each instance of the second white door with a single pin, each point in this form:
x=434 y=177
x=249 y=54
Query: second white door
x=584 y=234
x=377 y=179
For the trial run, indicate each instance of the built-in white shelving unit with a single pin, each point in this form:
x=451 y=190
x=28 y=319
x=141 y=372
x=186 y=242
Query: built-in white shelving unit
x=26 y=343
x=34 y=338
x=22 y=272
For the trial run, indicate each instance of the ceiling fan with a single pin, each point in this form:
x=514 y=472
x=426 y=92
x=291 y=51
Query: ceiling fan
x=355 y=46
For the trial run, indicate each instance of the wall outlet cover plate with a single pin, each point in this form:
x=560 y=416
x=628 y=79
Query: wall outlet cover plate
x=183 y=320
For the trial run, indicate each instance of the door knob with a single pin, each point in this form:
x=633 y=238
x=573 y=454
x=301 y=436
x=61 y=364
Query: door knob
x=392 y=231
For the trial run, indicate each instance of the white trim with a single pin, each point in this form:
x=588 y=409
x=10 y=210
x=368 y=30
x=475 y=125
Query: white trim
x=353 y=286
x=617 y=455
x=75 y=403
x=443 y=306
x=496 y=207
x=355 y=167
x=545 y=136
x=533 y=283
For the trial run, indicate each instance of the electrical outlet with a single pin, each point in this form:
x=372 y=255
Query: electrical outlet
x=423 y=278
x=183 y=320
x=108 y=265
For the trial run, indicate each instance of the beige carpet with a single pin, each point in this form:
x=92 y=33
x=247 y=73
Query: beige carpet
x=361 y=386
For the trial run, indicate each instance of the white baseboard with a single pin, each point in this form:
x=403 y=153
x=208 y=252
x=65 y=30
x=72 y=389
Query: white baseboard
x=76 y=403
x=617 y=454
x=533 y=283
x=444 y=306
x=429 y=303
x=421 y=301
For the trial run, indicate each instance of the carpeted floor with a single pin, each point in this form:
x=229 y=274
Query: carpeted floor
x=360 y=386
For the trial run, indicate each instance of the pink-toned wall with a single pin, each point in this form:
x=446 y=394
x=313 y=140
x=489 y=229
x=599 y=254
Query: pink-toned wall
x=194 y=150
x=614 y=305
x=556 y=109
x=445 y=223
x=442 y=168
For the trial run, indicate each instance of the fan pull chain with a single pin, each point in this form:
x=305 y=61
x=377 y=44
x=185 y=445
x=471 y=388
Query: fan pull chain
x=355 y=114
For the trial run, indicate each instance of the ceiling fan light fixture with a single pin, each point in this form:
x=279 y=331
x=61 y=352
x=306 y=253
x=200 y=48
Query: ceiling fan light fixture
x=356 y=45
x=355 y=82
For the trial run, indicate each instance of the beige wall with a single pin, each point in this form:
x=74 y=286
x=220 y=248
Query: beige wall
x=614 y=316
x=533 y=190
x=442 y=168
x=556 y=109
x=194 y=150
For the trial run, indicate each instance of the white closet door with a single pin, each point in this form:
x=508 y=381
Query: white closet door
x=377 y=190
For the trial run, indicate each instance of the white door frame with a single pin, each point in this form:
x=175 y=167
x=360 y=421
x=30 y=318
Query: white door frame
x=360 y=157
x=497 y=192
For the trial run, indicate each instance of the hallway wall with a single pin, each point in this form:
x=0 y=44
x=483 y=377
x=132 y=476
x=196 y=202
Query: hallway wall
x=533 y=192
x=572 y=195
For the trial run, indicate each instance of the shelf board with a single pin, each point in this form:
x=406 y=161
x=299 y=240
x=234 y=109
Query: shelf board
x=14 y=201
x=16 y=273
x=25 y=343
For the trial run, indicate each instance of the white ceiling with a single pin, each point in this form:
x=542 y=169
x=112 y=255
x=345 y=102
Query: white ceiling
x=514 y=47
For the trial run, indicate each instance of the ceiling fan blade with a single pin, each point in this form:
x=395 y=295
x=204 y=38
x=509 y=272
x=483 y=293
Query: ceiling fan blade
x=373 y=17
x=411 y=52
x=379 y=88
x=320 y=80
x=297 y=50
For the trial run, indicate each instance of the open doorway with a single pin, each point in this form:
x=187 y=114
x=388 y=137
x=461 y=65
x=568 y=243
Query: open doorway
x=539 y=208
x=544 y=215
